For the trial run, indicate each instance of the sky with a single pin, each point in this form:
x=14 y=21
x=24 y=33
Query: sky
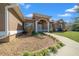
x=65 y=11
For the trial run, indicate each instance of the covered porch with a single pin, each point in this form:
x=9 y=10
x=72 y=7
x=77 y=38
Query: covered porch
x=42 y=26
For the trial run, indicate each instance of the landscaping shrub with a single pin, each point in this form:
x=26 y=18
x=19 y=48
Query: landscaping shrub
x=45 y=52
x=37 y=54
x=52 y=37
x=53 y=49
x=41 y=33
x=27 y=54
x=50 y=31
x=61 y=44
x=41 y=53
x=34 y=33
x=58 y=46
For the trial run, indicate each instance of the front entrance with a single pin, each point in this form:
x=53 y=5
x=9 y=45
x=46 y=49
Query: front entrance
x=39 y=28
x=42 y=26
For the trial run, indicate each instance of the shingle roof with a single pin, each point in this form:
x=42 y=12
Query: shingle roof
x=41 y=15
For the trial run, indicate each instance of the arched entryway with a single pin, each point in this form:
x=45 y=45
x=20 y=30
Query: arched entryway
x=42 y=26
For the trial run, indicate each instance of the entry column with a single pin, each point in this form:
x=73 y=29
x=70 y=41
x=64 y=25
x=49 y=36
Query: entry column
x=36 y=30
x=48 y=26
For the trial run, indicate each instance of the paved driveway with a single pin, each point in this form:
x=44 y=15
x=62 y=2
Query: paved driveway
x=71 y=47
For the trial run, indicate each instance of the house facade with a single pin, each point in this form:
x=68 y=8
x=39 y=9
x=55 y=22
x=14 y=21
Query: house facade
x=42 y=23
x=13 y=22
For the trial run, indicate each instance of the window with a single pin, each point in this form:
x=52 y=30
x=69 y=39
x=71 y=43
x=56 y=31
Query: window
x=28 y=24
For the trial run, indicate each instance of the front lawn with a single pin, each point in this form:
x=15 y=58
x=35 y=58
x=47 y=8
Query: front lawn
x=71 y=35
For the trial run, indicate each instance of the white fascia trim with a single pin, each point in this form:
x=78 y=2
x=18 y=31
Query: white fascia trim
x=6 y=21
x=15 y=32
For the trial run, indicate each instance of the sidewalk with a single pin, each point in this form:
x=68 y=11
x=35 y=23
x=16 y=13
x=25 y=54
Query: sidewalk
x=71 y=47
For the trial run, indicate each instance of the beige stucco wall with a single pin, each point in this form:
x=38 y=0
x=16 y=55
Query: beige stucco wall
x=2 y=17
x=14 y=22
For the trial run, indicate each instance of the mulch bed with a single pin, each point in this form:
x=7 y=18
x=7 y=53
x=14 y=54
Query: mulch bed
x=24 y=43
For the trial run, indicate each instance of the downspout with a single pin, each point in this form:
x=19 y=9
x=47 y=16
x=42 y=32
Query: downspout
x=6 y=21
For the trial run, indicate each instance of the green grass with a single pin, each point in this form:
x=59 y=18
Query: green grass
x=71 y=35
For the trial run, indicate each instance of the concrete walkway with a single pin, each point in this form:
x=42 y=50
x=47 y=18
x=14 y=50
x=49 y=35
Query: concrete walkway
x=71 y=47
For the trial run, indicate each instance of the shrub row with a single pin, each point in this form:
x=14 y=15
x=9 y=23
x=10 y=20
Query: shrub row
x=45 y=52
